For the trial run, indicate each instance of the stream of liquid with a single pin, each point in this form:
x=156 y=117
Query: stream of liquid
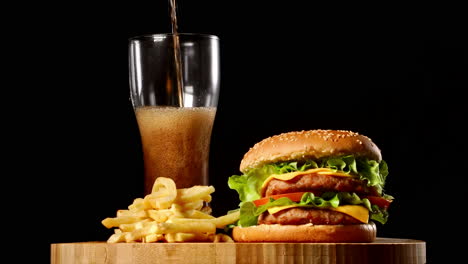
x=177 y=56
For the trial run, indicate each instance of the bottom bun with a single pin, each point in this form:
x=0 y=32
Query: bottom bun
x=306 y=233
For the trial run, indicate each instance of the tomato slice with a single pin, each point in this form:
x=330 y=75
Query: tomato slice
x=295 y=197
x=379 y=201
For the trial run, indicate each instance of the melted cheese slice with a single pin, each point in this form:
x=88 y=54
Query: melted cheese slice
x=292 y=175
x=274 y=210
x=356 y=211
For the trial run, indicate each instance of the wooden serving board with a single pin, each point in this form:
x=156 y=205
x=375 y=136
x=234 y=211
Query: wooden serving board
x=383 y=251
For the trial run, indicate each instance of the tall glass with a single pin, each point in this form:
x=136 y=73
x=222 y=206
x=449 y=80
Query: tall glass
x=174 y=89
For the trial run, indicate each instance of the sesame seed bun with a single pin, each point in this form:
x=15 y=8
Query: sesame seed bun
x=312 y=144
x=306 y=233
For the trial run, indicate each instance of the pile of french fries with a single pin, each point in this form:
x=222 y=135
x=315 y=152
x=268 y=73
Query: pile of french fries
x=171 y=215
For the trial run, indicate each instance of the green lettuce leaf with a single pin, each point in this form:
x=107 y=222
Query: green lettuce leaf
x=378 y=214
x=249 y=212
x=249 y=184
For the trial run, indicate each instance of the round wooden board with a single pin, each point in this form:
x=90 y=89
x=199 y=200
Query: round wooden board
x=383 y=251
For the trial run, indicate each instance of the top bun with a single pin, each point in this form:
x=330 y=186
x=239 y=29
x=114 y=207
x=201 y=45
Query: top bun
x=312 y=144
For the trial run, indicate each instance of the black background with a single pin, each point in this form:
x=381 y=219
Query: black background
x=394 y=73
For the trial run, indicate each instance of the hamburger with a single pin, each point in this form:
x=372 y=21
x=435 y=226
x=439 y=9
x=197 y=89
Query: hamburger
x=311 y=186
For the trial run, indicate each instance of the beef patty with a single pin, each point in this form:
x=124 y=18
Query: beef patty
x=300 y=216
x=318 y=182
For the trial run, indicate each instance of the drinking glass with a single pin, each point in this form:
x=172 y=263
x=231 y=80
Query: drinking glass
x=174 y=89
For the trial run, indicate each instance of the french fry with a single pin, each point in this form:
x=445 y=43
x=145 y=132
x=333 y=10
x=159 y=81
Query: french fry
x=225 y=220
x=152 y=199
x=133 y=226
x=196 y=205
x=187 y=227
x=189 y=237
x=206 y=198
x=115 y=238
x=177 y=211
x=147 y=229
x=196 y=214
x=152 y=238
x=127 y=227
x=180 y=237
x=116 y=221
x=222 y=238
x=139 y=204
x=160 y=216
x=194 y=193
x=219 y=222
x=141 y=213
x=184 y=221
x=206 y=210
x=164 y=193
x=128 y=237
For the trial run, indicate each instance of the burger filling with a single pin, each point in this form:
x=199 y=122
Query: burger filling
x=335 y=190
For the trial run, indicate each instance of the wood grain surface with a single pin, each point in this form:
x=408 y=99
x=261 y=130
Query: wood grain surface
x=383 y=250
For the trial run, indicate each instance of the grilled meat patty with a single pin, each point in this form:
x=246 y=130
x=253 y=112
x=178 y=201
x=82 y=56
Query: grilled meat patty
x=300 y=216
x=317 y=182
